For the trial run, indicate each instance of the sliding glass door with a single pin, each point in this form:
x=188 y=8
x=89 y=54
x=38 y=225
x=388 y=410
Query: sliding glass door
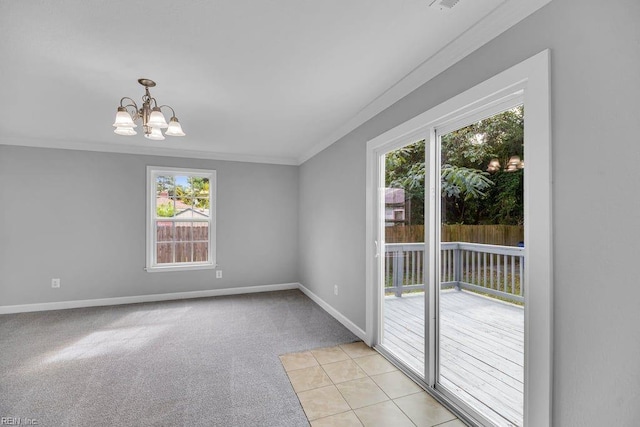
x=463 y=305
x=451 y=261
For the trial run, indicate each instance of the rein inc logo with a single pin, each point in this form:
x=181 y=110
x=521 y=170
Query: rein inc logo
x=18 y=421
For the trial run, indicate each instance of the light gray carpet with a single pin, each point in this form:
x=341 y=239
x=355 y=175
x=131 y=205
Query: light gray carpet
x=204 y=362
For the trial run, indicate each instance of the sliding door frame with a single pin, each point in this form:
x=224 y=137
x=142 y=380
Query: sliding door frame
x=529 y=80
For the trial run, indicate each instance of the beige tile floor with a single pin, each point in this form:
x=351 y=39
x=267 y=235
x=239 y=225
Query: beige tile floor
x=352 y=385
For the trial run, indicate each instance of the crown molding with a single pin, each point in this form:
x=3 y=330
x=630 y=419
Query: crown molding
x=501 y=19
x=143 y=150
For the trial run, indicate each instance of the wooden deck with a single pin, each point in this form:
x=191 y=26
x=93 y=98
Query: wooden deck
x=481 y=348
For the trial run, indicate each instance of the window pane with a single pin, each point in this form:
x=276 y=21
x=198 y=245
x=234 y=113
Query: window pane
x=183 y=232
x=184 y=252
x=200 y=187
x=200 y=251
x=164 y=231
x=165 y=206
x=183 y=187
x=164 y=253
x=201 y=207
x=165 y=185
x=200 y=231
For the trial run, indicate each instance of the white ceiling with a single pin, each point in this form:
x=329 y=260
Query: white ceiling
x=257 y=80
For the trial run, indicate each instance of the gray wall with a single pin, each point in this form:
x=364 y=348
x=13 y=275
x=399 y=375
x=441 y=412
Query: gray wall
x=80 y=216
x=595 y=74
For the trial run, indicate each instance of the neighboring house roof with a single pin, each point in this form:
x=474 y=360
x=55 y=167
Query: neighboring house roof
x=190 y=212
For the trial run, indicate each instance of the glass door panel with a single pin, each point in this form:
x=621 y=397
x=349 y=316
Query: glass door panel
x=480 y=348
x=402 y=255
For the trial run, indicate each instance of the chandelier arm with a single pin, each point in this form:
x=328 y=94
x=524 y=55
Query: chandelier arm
x=169 y=107
x=133 y=103
x=136 y=112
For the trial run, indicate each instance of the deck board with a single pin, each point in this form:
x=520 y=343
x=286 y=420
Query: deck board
x=481 y=348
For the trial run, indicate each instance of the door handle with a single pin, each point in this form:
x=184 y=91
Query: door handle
x=377 y=249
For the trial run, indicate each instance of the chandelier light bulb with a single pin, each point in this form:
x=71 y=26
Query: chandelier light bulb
x=126 y=131
x=174 y=128
x=123 y=119
x=157 y=120
x=155 y=134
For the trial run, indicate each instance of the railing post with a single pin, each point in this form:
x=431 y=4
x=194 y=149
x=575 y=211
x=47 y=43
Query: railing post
x=457 y=267
x=398 y=271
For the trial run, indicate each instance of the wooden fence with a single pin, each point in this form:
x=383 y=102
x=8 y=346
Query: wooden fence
x=182 y=242
x=502 y=235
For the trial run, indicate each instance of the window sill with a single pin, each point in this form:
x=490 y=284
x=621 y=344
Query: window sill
x=188 y=267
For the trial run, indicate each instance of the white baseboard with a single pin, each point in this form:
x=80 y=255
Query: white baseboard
x=62 y=305
x=335 y=313
x=24 y=308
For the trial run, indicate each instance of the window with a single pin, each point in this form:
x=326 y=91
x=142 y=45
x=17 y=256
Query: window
x=180 y=219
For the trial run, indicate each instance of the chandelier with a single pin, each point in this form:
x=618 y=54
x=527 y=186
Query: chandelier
x=152 y=118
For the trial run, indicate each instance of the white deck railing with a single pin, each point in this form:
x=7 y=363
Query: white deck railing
x=491 y=269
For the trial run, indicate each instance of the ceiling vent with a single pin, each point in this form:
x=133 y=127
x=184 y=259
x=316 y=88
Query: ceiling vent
x=444 y=3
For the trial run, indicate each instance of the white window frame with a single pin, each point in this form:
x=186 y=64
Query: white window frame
x=529 y=79
x=152 y=173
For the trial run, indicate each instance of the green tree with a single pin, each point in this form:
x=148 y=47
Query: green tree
x=165 y=210
x=470 y=194
x=165 y=183
x=463 y=189
x=497 y=137
x=506 y=198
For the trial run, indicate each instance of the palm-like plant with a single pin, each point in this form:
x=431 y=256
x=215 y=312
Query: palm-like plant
x=465 y=183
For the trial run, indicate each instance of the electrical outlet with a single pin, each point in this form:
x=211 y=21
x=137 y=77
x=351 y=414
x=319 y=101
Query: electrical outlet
x=335 y=289
x=55 y=283
x=218 y=274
